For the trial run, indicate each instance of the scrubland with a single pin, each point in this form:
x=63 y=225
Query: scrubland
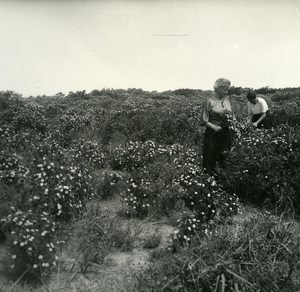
x=104 y=191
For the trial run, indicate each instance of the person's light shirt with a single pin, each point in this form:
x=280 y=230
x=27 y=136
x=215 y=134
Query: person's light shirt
x=259 y=107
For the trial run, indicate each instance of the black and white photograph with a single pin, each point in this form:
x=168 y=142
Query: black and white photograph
x=149 y=145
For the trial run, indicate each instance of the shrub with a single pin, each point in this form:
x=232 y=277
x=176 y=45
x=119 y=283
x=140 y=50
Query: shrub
x=263 y=166
x=107 y=183
x=176 y=176
x=60 y=188
x=30 y=242
x=286 y=112
x=70 y=124
x=12 y=171
x=133 y=155
x=89 y=152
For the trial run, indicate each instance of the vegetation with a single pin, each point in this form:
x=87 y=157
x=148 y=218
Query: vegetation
x=63 y=155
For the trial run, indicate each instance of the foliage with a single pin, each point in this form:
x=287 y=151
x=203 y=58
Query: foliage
x=263 y=166
x=107 y=183
x=133 y=155
x=286 y=112
x=60 y=188
x=12 y=171
x=97 y=234
x=175 y=176
x=89 y=152
x=31 y=243
x=20 y=114
x=58 y=152
x=258 y=254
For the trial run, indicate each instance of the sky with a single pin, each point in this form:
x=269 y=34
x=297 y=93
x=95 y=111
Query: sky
x=51 y=46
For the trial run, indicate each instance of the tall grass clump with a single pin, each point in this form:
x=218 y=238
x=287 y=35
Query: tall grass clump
x=260 y=253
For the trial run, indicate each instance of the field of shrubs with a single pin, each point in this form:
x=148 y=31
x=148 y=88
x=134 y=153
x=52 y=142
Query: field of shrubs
x=62 y=154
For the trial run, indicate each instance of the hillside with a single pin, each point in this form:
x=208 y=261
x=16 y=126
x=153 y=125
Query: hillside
x=104 y=191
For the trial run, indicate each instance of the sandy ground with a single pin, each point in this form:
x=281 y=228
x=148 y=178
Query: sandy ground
x=119 y=269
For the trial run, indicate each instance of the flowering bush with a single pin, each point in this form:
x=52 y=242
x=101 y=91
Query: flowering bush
x=30 y=241
x=21 y=113
x=61 y=189
x=5 y=136
x=263 y=166
x=176 y=176
x=73 y=121
x=139 y=197
x=201 y=192
x=69 y=125
x=29 y=116
x=134 y=155
x=188 y=226
x=88 y=151
x=12 y=171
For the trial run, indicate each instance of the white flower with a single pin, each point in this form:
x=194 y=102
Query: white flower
x=58 y=206
x=15 y=242
x=44 y=233
x=13 y=256
x=35 y=266
x=40 y=257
